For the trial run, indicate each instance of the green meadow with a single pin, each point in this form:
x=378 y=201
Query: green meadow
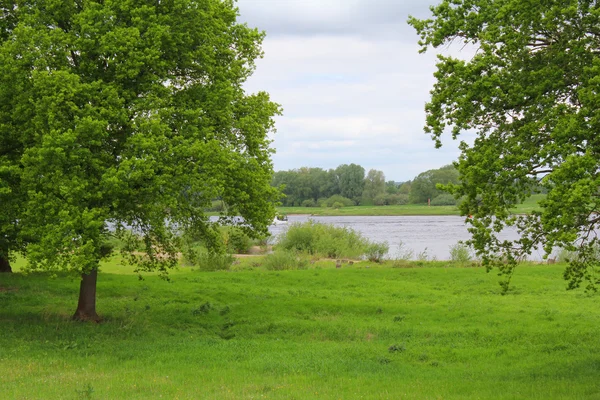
x=529 y=205
x=365 y=331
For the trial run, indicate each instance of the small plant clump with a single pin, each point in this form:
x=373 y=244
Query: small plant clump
x=376 y=252
x=206 y=261
x=460 y=253
x=285 y=260
x=397 y=348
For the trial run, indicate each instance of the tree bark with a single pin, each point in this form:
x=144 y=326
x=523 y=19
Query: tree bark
x=86 y=307
x=4 y=264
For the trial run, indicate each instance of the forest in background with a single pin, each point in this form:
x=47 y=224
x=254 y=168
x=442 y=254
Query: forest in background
x=350 y=185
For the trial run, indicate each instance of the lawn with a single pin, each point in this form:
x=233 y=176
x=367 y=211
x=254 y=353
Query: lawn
x=432 y=332
x=410 y=209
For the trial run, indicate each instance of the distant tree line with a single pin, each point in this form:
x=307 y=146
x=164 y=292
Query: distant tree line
x=348 y=185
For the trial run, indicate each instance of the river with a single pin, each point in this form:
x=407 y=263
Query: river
x=431 y=236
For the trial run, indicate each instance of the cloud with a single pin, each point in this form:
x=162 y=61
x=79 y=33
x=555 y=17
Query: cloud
x=331 y=17
x=351 y=82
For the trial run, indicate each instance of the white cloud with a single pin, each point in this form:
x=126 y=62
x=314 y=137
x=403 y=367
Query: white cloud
x=351 y=82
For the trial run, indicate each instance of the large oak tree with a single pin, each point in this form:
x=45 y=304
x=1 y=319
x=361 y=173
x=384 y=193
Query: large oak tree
x=531 y=93
x=120 y=115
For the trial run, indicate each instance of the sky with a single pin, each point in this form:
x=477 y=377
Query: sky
x=351 y=82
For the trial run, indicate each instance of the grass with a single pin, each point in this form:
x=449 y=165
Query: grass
x=320 y=333
x=410 y=209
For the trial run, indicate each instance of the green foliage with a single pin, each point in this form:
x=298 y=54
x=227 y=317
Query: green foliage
x=236 y=240
x=128 y=112
x=323 y=240
x=376 y=252
x=217 y=206
x=336 y=198
x=337 y=205
x=460 y=253
x=426 y=185
x=351 y=180
x=208 y=261
x=309 y=203
x=374 y=184
x=444 y=200
x=390 y=199
x=281 y=260
x=304 y=184
x=392 y=187
x=531 y=94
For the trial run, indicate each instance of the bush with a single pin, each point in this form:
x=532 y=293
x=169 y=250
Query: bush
x=399 y=199
x=323 y=240
x=284 y=260
x=237 y=240
x=375 y=252
x=460 y=253
x=336 y=198
x=381 y=200
x=390 y=199
x=337 y=205
x=444 y=200
x=206 y=261
x=309 y=203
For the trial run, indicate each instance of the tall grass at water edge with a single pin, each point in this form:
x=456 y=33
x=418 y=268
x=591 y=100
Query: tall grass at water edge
x=326 y=240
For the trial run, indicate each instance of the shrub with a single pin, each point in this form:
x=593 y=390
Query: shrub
x=381 y=200
x=285 y=260
x=324 y=240
x=390 y=199
x=309 y=203
x=460 y=253
x=337 y=205
x=375 y=252
x=206 y=261
x=399 y=199
x=237 y=240
x=336 y=198
x=367 y=201
x=444 y=200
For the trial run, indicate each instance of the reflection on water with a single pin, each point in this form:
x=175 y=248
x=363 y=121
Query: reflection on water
x=433 y=234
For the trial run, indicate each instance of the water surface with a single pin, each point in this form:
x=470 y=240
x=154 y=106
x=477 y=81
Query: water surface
x=428 y=235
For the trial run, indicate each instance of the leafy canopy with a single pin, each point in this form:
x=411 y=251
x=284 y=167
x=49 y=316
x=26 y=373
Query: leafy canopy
x=127 y=113
x=531 y=93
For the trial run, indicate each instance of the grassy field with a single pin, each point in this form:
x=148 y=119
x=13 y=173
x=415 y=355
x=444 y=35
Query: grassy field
x=409 y=209
x=436 y=332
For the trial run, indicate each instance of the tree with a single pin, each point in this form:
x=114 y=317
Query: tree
x=351 y=180
x=531 y=94
x=127 y=115
x=374 y=184
x=425 y=186
x=391 y=187
x=405 y=188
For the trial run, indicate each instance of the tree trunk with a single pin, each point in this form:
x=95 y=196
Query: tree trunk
x=86 y=307
x=4 y=264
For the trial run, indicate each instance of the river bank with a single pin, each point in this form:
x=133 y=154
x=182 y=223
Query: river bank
x=528 y=206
